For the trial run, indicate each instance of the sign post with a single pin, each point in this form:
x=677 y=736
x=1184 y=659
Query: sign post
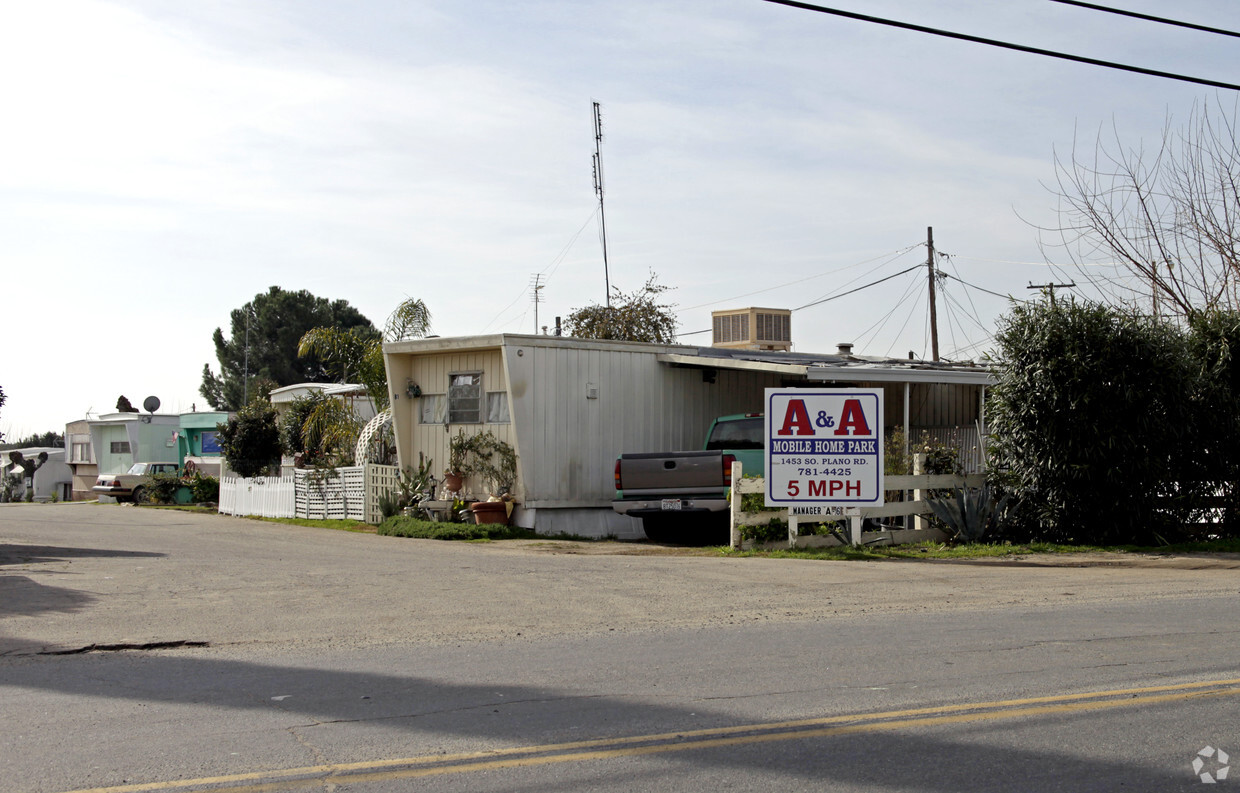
x=824 y=449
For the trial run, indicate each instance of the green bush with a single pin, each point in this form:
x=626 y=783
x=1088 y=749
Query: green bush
x=203 y=488
x=251 y=439
x=402 y=526
x=162 y=488
x=1093 y=423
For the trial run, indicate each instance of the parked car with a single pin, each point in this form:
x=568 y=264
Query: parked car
x=683 y=496
x=130 y=486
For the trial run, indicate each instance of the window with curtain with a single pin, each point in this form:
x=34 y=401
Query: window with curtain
x=497 y=407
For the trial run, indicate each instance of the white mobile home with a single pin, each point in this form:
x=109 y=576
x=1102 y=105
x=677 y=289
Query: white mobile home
x=570 y=406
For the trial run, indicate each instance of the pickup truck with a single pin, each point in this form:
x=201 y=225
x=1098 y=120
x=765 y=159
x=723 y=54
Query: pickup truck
x=683 y=496
x=129 y=486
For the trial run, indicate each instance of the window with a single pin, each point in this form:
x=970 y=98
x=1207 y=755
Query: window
x=120 y=447
x=497 y=407
x=465 y=398
x=81 y=451
x=432 y=408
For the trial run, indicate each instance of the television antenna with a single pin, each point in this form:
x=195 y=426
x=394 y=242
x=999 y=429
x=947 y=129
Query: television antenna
x=598 y=189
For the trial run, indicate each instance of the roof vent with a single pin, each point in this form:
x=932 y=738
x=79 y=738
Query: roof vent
x=845 y=347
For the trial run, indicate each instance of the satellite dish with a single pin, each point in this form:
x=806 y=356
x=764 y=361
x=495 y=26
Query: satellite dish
x=151 y=404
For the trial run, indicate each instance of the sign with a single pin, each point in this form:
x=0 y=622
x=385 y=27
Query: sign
x=824 y=448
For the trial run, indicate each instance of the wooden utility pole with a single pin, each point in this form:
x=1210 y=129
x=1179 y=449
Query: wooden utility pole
x=934 y=312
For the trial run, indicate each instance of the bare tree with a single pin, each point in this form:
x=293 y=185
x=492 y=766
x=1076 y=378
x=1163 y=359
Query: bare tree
x=1160 y=227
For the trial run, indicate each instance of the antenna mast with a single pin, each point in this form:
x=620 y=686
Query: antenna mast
x=598 y=189
x=536 y=286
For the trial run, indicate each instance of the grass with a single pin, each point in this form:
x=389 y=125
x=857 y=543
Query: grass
x=338 y=525
x=939 y=550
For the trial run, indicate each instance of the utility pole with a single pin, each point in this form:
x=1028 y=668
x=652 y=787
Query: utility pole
x=1051 y=289
x=934 y=312
x=245 y=386
x=598 y=188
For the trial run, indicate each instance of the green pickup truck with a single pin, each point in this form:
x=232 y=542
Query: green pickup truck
x=683 y=496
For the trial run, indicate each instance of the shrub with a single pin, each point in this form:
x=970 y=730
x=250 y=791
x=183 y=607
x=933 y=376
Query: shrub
x=251 y=440
x=203 y=488
x=162 y=488
x=1092 y=421
x=401 y=526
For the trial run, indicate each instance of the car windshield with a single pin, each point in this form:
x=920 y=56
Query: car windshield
x=137 y=468
x=744 y=433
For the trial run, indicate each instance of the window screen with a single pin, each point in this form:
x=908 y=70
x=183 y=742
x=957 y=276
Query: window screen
x=465 y=398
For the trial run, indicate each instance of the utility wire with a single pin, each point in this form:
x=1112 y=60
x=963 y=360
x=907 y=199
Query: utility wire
x=1148 y=18
x=827 y=299
x=890 y=257
x=858 y=289
x=1005 y=44
x=980 y=289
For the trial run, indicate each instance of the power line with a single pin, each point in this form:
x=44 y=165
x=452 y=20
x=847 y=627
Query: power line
x=980 y=289
x=1148 y=18
x=892 y=256
x=858 y=289
x=1006 y=45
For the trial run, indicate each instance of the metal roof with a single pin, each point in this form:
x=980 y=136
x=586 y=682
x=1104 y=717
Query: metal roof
x=824 y=367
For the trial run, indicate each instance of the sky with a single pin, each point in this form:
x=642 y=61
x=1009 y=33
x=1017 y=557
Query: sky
x=162 y=163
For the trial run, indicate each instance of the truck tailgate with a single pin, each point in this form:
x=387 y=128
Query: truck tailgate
x=687 y=473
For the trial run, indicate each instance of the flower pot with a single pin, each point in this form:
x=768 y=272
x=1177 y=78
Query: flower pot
x=490 y=512
x=453 y=481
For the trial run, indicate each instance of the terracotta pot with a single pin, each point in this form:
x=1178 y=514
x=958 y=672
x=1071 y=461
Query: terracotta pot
x=453 y=482
x=490 y=512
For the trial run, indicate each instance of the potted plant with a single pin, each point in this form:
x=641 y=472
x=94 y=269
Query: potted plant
x=454 y=475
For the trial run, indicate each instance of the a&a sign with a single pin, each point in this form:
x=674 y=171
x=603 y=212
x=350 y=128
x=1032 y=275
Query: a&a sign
x=824 y=447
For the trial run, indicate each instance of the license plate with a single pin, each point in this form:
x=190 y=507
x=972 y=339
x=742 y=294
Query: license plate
x=672 y=504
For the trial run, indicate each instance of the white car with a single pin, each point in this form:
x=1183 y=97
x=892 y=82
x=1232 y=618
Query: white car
x=129 y=485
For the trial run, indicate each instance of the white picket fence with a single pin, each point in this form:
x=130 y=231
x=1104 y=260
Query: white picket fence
x=918 y=484
x=264 y=496
x=338 y=494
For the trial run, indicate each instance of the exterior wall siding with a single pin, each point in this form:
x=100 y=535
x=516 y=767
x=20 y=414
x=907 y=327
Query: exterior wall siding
x=568 y=442
x=431 y=373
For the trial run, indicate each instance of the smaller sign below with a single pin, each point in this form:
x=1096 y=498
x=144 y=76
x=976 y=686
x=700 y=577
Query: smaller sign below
x=824 y=447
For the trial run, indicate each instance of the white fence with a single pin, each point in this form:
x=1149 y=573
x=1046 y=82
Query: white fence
x=343 y=493
x=265 y=496
x=918 y=484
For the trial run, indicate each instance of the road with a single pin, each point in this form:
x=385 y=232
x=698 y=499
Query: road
x=162 y=651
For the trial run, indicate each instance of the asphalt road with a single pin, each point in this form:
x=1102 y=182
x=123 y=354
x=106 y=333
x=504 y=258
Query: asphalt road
x=298 y=658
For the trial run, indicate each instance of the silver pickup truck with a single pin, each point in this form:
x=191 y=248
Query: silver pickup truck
x=683 y=496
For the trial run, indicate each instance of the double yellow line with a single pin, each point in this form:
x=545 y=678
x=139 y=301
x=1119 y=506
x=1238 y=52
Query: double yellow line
x=688 y=740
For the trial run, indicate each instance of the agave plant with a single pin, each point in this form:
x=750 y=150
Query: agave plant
x=969 y=512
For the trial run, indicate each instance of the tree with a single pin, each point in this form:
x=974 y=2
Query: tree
x=362 y=357
x=320 y=428
x=637 y=316
x=50 y=439
x=123 y=405
x=250 y=440
x=276 y=322
x=1159 y=228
